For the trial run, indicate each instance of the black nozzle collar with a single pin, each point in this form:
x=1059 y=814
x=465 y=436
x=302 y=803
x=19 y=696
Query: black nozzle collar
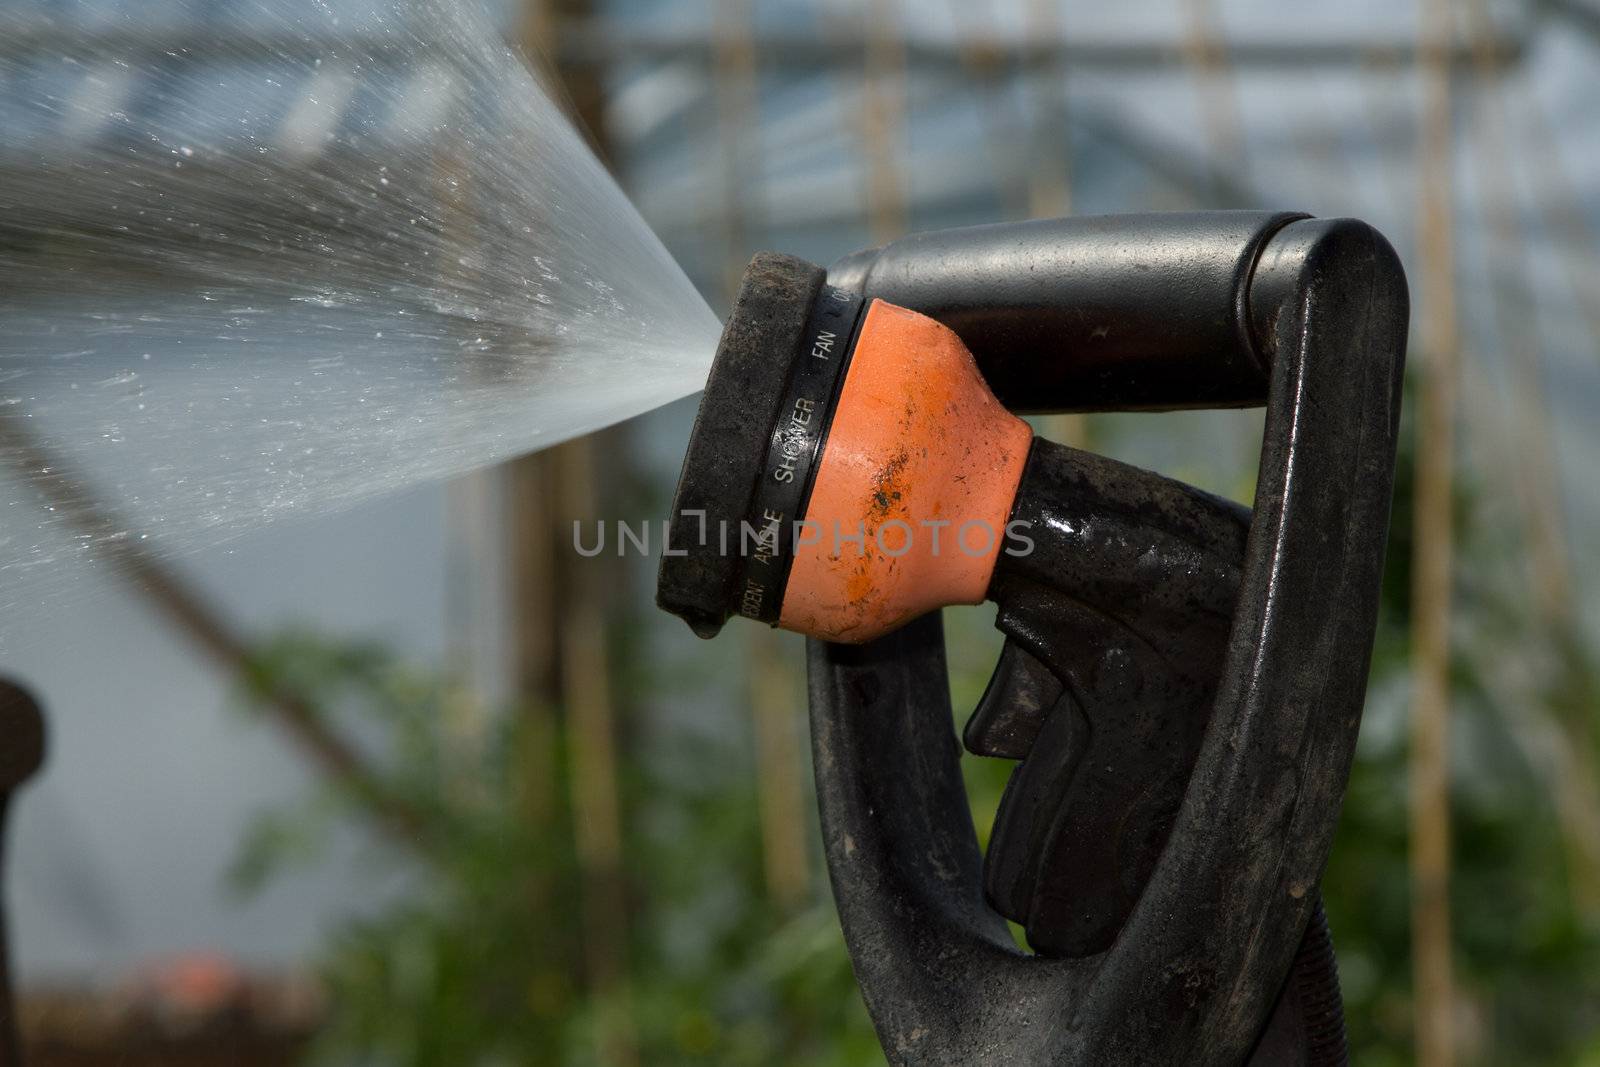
x=752 y=456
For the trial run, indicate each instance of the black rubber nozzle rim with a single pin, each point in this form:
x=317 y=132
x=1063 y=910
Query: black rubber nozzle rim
x=731 y=435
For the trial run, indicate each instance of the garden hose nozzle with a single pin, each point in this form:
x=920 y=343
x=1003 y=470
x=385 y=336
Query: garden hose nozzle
x=849 y=469
x=1182 y=676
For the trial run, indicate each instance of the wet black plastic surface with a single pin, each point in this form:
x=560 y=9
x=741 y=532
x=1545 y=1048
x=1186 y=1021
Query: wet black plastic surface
x=1214 y=964
x=731 y=435
x=1127 y=601
x=1091 y=313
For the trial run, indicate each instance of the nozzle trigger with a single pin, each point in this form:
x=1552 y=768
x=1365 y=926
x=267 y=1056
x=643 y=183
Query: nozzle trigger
x=1013 y=707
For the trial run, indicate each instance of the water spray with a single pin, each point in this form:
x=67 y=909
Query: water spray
x=1182 y=677
x=271 y=276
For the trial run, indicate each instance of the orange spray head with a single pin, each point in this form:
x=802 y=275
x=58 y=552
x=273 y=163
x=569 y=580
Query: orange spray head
x=849 y=469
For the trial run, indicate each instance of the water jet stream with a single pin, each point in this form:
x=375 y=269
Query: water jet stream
x=292 y=264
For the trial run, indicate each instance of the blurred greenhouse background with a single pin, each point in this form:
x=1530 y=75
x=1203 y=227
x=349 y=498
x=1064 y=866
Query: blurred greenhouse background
x=519 y=816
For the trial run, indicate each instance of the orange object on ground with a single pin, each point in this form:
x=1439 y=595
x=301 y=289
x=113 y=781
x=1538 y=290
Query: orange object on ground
x=922 y=465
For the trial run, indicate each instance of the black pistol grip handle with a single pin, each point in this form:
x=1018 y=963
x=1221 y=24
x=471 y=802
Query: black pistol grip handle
x=1117 y=623
x=1094 y=313
x=1199 y=964
x=1146 y=553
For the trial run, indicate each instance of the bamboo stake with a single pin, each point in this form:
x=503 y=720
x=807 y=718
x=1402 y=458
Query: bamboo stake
x=471 y=525
x=983 y=65
x=1536 y=479
x=1380 y=79
x=562 y=635
x=1542 y=508
x=530 y=536
x=1210 y=59
x=1050 y=178
x=780 y=792
x=786 y=860
x=1563 y=214
x=526 y=541
x=883 y=119
x=1431 y=592
x=738 y=109
x=596 y=805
